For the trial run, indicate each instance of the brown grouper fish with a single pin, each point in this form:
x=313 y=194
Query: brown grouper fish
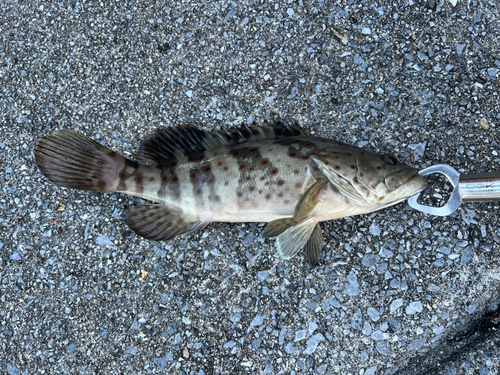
x=269 y=173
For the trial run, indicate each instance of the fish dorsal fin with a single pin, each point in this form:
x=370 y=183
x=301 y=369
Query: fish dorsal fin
x=166 y=145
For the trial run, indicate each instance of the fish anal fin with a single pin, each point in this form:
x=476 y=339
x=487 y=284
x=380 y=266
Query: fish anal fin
x=314 y=245
x=309 y=200
x=159 y=222
x=294 y=238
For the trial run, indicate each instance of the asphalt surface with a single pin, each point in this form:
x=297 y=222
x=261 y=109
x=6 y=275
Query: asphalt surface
x=396 y=292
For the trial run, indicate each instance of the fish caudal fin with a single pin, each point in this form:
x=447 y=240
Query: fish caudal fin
x=70 y=159
x=159 y=222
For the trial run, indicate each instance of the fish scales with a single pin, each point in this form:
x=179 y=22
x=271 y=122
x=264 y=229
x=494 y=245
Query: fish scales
x=270 y=173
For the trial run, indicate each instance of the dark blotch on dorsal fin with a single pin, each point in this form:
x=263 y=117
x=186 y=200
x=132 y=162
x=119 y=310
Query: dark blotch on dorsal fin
x=165 y=145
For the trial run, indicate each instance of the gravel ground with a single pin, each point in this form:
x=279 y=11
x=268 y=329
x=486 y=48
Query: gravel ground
x=396 y=292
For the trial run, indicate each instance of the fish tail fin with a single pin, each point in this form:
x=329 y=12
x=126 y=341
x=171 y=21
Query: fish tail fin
x=70 y=159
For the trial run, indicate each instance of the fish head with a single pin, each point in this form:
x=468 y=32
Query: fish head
x=383 y=179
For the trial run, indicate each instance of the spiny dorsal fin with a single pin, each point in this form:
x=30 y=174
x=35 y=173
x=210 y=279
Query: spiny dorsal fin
x=165 y=145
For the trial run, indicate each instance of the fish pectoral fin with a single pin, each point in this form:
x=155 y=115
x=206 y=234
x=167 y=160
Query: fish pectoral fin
x=341 y=184
x=309 y=200
x=294 y=238
x=159 y=222
x=306 y=204
x=276 y=227
x=314 y=245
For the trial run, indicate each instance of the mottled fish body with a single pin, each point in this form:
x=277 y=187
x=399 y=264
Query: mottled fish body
x=276 y=174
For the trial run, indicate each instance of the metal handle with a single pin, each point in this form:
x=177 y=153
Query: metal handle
x=472 y=187
x=476 y=187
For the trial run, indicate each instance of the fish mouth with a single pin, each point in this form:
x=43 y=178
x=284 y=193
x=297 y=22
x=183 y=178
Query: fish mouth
x=413 y=182
x=417 y=183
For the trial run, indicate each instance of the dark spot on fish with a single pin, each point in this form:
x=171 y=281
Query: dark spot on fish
x=274 y=171
x=225 y=168
x=248 y=178
x=214 y=198
x=378 y=167
x=252 y=149
x=260 y=191
x=361 y=175
x=207 y=169
x=295 y=171
x=242 y=166
x=297 y=141
x=215 y=153
x=220 y=163
x=362 y=153
x=239 y=194
x=278 y=160
x=326 y=163
x=122 y=176
x=251 y=188
x=138 y=180
x=337 y=167
x=308 y=144
x=298 y=185
x=264 y=161
x=235 y=153
x=175 y=179
x=336 y=157
x=280 y=182
x=226 y=183
x=334 y=152
x=198 y=191
x=251 y=168
x=380 y=198
x=349 y=154
x=131 y=163
x=270 y=149
x=305 y=157
x=193 y=175
x=292 y=154
x=151 y=178
x=268 y=196
x=262 y=178
x=353 y=167
x=280 y=195
x=164 y=178
x=286 y=201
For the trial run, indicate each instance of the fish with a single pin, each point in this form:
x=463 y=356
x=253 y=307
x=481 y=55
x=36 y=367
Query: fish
x=273 y=172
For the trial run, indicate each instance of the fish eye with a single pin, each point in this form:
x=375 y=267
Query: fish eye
x=390 y=159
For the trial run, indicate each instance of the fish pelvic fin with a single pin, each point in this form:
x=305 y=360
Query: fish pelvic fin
x=70 y=159
x=314 y=245
x=159 y=222
x=294 y=238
